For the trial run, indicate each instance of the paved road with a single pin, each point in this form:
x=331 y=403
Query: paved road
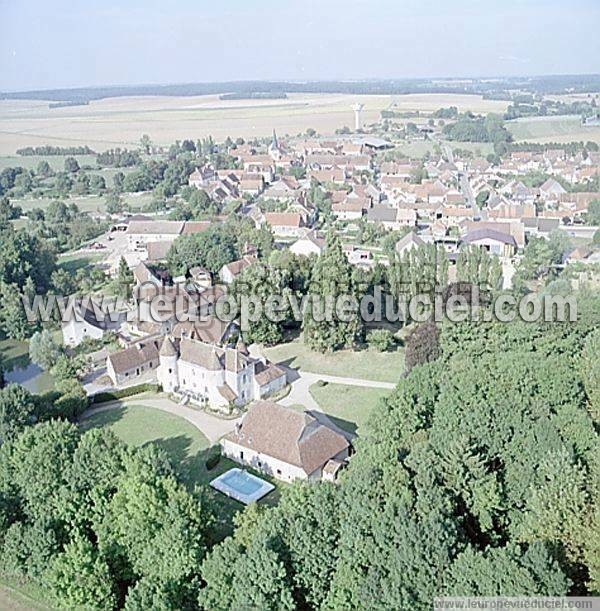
x=212 y=427
x=464 y=185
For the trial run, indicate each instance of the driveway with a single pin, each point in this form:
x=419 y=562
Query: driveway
x=301 y=381
x=214 y=428
x=211 y=427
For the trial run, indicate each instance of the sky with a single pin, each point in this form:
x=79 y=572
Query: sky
x=58 y=43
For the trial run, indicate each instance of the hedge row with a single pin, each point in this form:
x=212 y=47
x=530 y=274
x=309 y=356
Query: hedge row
x=130 y=391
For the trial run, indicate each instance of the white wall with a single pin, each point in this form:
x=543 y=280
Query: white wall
x=74 y=332
x=267 y=464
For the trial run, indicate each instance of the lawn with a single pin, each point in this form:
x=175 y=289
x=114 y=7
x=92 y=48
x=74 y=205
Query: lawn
x=363 y=364
x=86 y=203
x=26 y=596
x=348 y=406
x=14 y=353
x=138 y=425
x=479 y=149
x=552 y=129
x=75 y=262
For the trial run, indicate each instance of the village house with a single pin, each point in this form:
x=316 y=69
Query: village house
x=285 y=224
x=408 y=242
x=134 y=364
x=310 y=244
x=230 y=271
x=140 y=233
x=286 y=444
x=252 y=184
x=392 y=218
x=89 y=321
x=495 y=242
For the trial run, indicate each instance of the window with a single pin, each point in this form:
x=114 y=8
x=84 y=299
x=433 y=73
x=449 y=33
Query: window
x=259 y=464
x=241 y=455
x=278 y=471
x=170 y=371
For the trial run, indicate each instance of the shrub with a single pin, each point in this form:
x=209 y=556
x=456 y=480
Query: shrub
x=381 y=340
x=213 y=459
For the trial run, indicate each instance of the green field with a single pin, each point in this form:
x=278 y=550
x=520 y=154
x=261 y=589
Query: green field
x=56 y=162
x=73 y=263
x=25 y=596
x=477 y=148
x=86 y=203
x=363 y=364
x=348 y=406
x=552 y=129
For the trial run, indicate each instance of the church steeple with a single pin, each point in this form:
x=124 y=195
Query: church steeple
x=274 y=143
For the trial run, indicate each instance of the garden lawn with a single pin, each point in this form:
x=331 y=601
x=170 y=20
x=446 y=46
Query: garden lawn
x=348 y=406
x=75 y=262
x=137 y=425
x=362 y=364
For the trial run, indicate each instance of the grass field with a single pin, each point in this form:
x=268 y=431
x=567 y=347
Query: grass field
x=137 y=425
x=86 y=203
x=18 y=596
x=364 y=364
x=74 y=262
x=552 y=129
x=121 y=121
x=348 y=406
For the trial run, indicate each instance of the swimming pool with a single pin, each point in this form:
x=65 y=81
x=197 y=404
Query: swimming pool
x=241 y=486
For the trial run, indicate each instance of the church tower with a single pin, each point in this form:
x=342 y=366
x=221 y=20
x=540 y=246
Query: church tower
x=274 y=150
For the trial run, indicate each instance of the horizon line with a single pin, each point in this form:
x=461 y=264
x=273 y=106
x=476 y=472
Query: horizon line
x=301 y=81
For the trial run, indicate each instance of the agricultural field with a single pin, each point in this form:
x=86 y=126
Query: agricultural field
x=552 y=129
x=113 y=122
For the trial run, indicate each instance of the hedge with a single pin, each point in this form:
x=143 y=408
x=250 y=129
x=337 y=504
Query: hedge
x=130 y=391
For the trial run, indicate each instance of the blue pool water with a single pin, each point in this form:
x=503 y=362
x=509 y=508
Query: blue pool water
x=242 y=486
x=241 y=482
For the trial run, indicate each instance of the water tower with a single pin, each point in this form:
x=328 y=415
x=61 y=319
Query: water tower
x=357 y=108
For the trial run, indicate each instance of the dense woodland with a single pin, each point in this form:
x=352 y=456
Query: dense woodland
x=479 y=475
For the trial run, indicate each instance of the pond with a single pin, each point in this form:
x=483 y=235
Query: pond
x=20 y=370
x=32 y=377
